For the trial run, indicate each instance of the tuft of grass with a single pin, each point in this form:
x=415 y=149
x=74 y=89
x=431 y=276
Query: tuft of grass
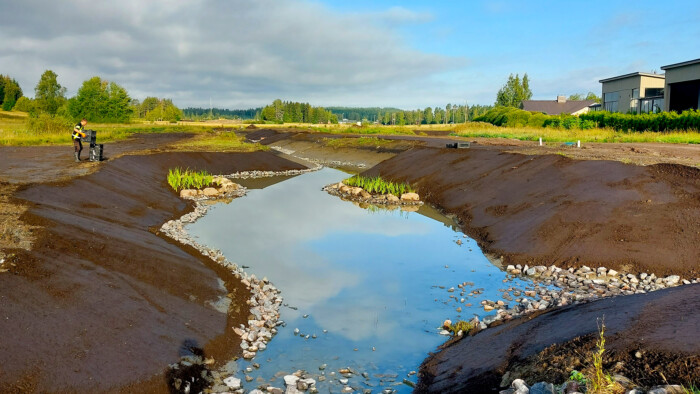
x=377 y=185
x=180 y=179
x=600 y=382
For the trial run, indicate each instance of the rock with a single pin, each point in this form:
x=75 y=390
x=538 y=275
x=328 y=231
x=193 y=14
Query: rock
x=188 y=193
x=531 y=271
x=365 y=195
x=520 y=386
x=344 y=189
x=233 y=382
x=612 y=273
x=392 y=198
x=542 y=388
x=571 y=387
x=447 y=323
x=256 y=391
x=488 y=308
x=669 y=389
x=210 y=192
x=355 y=191
x=410 y=197
x=672 y=280
x=291 y=380
x=343 y=381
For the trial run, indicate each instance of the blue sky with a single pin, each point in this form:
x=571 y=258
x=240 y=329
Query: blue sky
x=408 y=54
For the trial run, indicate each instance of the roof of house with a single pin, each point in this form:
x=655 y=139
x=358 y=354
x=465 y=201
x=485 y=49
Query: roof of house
x=552 y=107
x=681 y=64
x=630 y=75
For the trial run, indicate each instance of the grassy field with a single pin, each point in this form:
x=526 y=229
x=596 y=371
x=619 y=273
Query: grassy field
x=219 y=141
x=486 y=130
x=14 y=132
x=356 y=142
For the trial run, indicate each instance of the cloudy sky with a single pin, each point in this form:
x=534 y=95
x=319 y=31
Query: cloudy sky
x=409 y=54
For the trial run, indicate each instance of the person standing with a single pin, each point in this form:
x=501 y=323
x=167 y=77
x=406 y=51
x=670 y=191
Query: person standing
x=78 y=133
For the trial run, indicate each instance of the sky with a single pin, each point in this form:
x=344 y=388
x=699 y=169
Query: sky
x=406 y=54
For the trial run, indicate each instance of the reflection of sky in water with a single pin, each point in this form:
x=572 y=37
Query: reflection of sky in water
x=370 y=279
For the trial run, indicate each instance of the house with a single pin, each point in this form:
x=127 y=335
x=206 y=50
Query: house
x=558 y=106
x=682 y=86
x=636 y=92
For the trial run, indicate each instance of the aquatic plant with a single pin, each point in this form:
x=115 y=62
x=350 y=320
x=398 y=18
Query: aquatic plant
x=377 y=185
x=599 y=381
x=180 y=179
x=461 y=325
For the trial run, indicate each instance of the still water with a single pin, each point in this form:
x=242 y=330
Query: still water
x=371 y=285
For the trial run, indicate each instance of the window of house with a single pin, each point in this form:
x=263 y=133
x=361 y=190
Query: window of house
x=653 y=92
x=611 y=100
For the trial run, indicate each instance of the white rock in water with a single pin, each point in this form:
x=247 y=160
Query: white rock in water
x=233 y=383
x=291 y=380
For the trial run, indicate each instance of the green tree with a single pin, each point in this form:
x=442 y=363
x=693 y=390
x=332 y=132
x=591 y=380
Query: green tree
x=48 y=93
x=25 y=104
x=10 y=92
x=101 y=101
x=514 y=92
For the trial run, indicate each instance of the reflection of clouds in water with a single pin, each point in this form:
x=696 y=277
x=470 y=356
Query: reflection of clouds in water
x=287 y=217
x=291 y=223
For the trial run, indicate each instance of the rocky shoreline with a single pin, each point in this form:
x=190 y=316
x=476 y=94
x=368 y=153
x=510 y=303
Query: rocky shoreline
x=265 y=300
x=359 y=195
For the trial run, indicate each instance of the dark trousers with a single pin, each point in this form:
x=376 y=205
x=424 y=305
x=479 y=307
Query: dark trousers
x=78 y=145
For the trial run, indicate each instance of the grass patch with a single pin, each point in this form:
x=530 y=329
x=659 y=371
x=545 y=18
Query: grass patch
x=356 y=142
x=180 y=179
x=377 y=185
x=218 y=141
x=483 y=130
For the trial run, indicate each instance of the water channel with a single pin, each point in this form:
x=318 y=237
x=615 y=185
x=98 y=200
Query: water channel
x=366 y=288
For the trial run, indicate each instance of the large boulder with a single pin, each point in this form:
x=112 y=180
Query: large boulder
x=188 y=193
x=410 y=197
x=210 y=192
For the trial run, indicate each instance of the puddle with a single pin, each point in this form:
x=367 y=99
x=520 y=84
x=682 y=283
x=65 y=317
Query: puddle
x=368 y=287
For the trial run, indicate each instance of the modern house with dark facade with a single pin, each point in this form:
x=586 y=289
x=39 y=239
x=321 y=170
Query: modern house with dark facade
x=635 y=92
x=682 y=86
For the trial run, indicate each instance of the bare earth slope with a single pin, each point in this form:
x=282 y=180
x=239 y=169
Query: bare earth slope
x=102 y=302
x=661 y=325
x=554 y=210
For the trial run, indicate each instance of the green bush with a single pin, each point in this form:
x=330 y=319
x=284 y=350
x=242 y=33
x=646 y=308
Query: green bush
x=47 y=124
x=663 y=121
x=180 y=179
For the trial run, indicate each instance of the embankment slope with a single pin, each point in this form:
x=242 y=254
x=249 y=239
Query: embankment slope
x=554 y=210
x=102 y=302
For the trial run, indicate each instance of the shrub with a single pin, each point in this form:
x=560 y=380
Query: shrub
x=663 y=121
x=47 y=124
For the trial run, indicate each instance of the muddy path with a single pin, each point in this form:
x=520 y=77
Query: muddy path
x=103 y=303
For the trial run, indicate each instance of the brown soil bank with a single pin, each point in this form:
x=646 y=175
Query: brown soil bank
x=101 y=302
x=554 y=210
x=662 y=326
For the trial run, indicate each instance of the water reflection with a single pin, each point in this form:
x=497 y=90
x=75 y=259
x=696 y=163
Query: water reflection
x=369 y=278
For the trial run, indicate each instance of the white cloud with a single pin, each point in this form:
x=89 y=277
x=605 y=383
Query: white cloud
x=240 y=53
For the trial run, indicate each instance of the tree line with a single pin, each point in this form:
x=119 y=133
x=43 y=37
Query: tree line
x=97 y=100
x=195 y=113
x=451 y=114
x=293 y=112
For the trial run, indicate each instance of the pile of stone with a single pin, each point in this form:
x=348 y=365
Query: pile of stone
x=519 y=386
x=358 y=194
x=226 y=188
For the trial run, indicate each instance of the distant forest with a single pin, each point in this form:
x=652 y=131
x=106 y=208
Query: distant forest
x=293 y=112
x=221 y=113
x=361 y=113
